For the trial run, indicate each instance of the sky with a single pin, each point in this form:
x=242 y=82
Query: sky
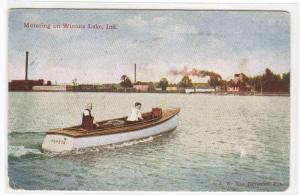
x=226 y=42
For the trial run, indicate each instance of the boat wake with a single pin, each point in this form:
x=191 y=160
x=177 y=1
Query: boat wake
x=21 y=151
x=130 y=143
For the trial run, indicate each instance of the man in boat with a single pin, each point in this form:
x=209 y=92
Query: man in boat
x=135 y=113
x=87 y=118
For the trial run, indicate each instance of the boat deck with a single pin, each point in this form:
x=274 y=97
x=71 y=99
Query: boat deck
x=77 y=131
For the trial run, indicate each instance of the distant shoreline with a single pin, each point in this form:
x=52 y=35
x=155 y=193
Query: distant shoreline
x=172 y=92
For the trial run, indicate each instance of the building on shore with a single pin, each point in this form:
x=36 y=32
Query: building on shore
x=172 y=88
x=141 y=86
x=238 y=77
x=199 y=88
x=240 y=84
x=232 y=89
x=52 y=88
x=26 y=84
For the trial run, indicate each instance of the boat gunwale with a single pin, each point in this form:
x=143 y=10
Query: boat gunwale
x=116 y=129
x=78 y=127
x=113 y=127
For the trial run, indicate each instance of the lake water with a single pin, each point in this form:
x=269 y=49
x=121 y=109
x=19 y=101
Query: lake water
x=222 y=143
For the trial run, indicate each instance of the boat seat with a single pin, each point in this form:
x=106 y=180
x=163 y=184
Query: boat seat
x=156 y=112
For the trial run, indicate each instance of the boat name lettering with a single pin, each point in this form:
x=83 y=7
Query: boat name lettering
x=58 y=141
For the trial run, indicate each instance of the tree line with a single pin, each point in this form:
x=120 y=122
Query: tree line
x=267 y=82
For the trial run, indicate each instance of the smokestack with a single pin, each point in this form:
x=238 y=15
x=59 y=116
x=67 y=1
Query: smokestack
x=26 y=69
x=135 y=73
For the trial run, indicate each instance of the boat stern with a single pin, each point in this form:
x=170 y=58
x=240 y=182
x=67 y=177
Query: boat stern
x=57 y=143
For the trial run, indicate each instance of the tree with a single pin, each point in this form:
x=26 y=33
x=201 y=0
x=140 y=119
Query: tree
x=285 y=82
x=271 y=81
x=256 y=82
x=125 y=81
x=243 y=82
x=215 y=81
x=151 y=86
x=163 y=83
x=230 y=83
x=224 y=85
x=186 y=81
x=74 y=82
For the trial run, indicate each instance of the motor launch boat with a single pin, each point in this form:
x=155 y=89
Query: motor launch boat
x=112 y=131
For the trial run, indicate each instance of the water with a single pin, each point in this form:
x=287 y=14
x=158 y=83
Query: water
x=223 y=143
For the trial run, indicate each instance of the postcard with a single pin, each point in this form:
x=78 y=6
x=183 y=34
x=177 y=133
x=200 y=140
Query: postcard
x=149 y=100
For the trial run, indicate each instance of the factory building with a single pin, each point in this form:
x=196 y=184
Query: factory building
x=25 y=85
x=141 y=86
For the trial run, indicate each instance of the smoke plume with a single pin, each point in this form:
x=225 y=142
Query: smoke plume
x=194 y=72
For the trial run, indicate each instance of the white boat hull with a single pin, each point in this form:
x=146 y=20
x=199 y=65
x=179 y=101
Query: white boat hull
x=61 y=143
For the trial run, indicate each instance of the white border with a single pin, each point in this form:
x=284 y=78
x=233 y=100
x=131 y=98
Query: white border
x=3 y=96
x=289 y=5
